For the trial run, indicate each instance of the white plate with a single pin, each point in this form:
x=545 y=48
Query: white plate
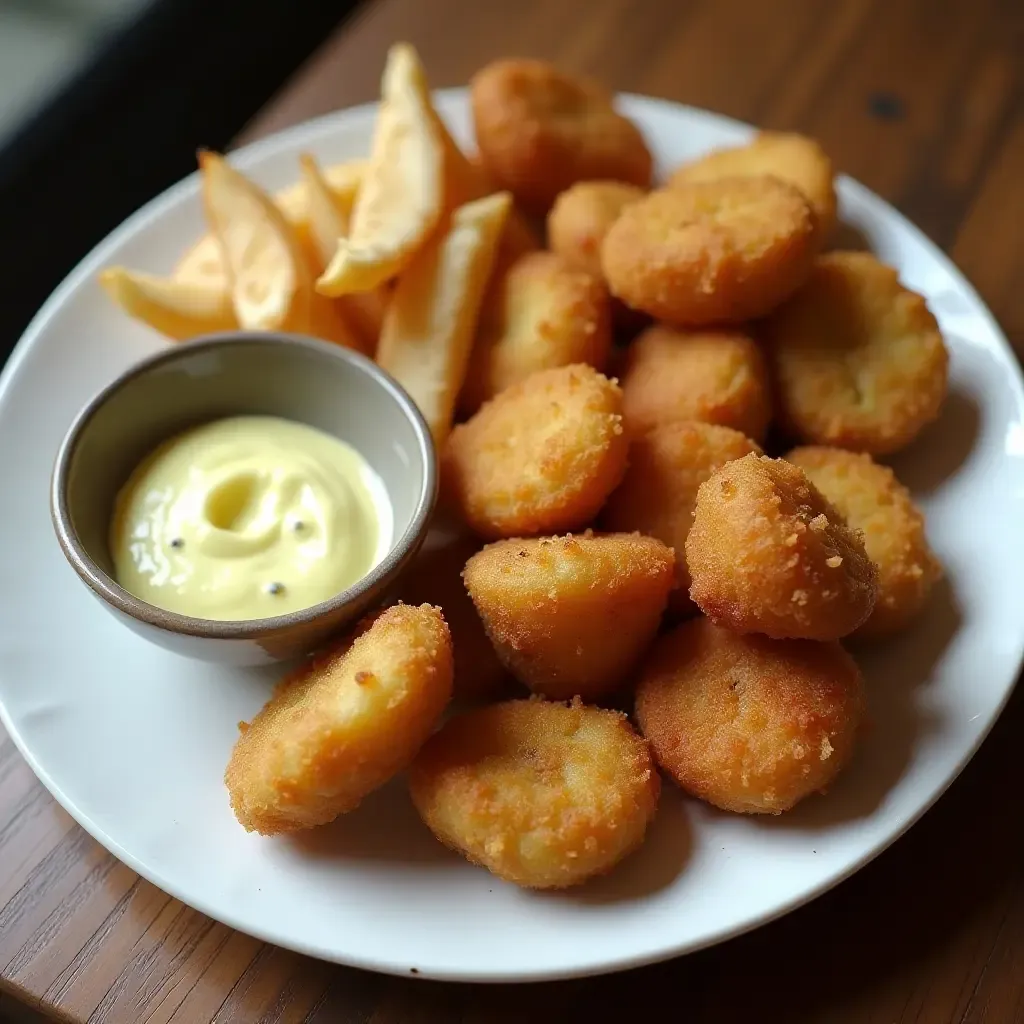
x=133 y=740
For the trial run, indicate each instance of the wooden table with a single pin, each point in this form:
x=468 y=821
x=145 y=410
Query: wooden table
x=923 y=100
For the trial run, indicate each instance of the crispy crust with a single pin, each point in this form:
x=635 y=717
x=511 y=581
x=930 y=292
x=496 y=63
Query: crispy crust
x=540 y=130
x=541 y=794
x=540 y=458
x=721 y=251
x=541 y=314
x=582 y=216
x=874 y=502
x=710 y=376
x=570 y=616
x=768 y=554
x=794 y=158
x=858 y=359
x=667 y=465
x=749 y=724
x=342 y=724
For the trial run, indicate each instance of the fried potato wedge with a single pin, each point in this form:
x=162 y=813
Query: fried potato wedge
x=204 y=264
x=204 y=261
x=271 y=282
x=179 y=309
x=330 y=216
x=429 y=326
x=271 y=286
x=402 y=196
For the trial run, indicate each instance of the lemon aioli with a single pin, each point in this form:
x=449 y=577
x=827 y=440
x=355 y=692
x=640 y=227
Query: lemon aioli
x=248 y=517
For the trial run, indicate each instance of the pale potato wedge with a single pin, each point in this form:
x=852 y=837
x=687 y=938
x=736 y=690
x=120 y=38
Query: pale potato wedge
x=203 y=264
x=204 y=261
x=402 y=195
x=329 y=213
x=179 y=309
x=270 y=281
x=430 y=323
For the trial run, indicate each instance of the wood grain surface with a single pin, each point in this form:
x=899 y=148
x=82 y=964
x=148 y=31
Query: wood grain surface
x=922 y=100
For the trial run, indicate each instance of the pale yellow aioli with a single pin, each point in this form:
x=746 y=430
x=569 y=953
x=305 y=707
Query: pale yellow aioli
x=248 y=517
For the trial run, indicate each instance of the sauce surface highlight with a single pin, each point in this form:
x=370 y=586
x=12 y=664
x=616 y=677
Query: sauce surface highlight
x=248 y=517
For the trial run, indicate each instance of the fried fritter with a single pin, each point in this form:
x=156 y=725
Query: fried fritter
x=582 y=216
x=710 y=376
x=859 y=361
x=540 y=131
x=794 y=158
x=749 y=724
x=435 y=577
x=709 y=252
x=541 y=314
x=570 y=616
x=768 y=554
x=876 y=503
x=659 y=491
x=540 y=458
x=343 y=724
x=541 y=794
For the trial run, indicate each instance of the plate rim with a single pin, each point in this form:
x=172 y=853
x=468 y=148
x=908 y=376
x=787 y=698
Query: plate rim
x=252 y=153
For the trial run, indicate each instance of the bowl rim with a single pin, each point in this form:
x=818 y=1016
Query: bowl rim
x=104 y=586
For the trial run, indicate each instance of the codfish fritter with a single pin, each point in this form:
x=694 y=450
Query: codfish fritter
x=541 y=794
x=749 y=724
x=343 y=724
x=794 y=158
x=667 y=464
x=540 y=130
x=767 y=553
x=582 y=216
x=881 y=508
x=540 y=314
x=859 y=361
x=711 y=252
x=570 y=616
x=539 y=458
x=713 y=376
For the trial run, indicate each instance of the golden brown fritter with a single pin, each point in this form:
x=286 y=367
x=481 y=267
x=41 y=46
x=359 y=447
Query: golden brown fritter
x=582 y=216
x=435 y=577
x=794 y=158
x=749 y=724
x=540 y=458
x=710 y=376
x=708 y=252
x=858 y=359
x=343 y=724
x=540 y=130
x=540 y=314
x=544 y=795
x=874 y=502
x=570 y=616
x=768 y=554
x=659 y=491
